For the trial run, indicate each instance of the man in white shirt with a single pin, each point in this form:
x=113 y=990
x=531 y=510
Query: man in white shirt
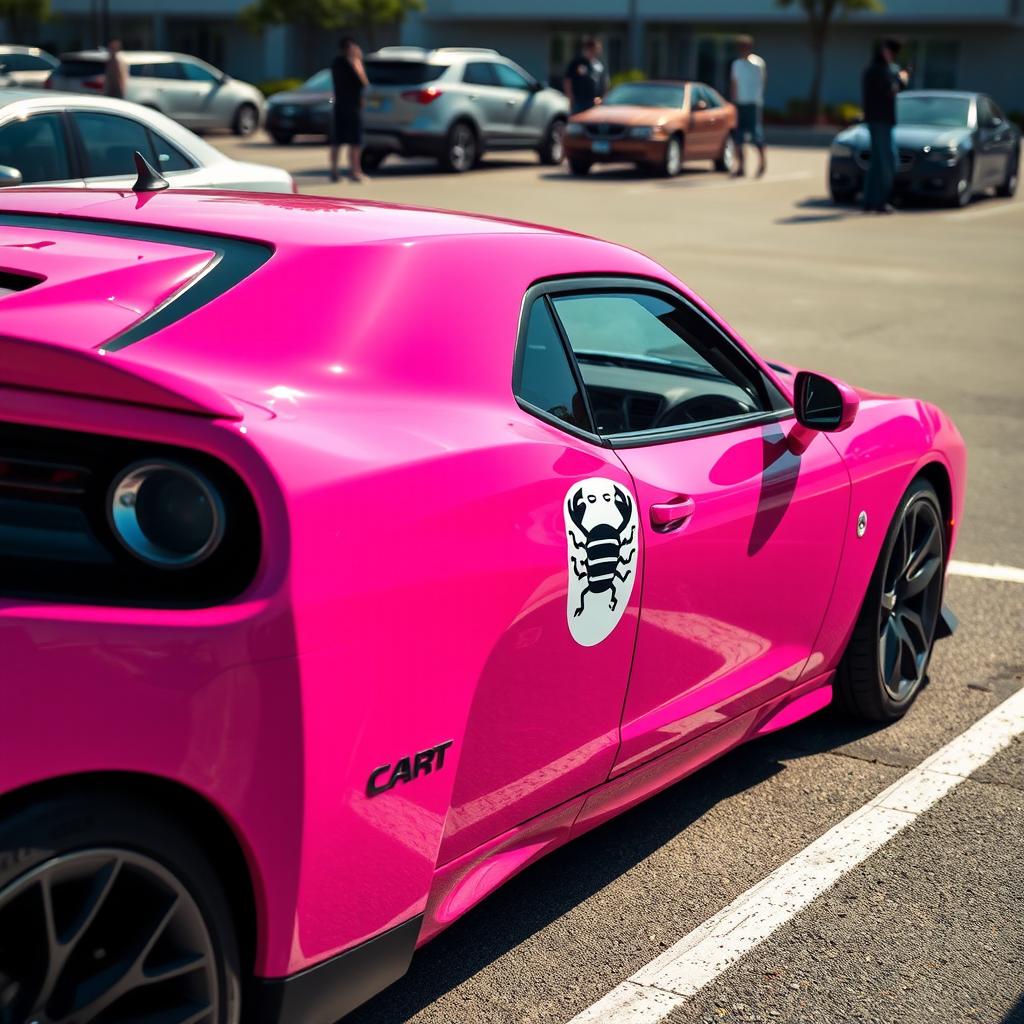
x=748 y=76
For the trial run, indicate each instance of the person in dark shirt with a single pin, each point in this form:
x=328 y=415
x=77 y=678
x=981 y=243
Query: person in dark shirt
x=349 y=78
x=881 y=81
x=586 y=77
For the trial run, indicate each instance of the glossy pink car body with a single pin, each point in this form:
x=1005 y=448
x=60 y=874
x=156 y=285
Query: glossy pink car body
x=411 y=588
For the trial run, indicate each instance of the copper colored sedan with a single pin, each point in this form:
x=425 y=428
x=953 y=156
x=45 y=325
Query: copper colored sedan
x=655 y=125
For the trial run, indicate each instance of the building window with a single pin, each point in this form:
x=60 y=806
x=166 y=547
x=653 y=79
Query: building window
x=934 y=63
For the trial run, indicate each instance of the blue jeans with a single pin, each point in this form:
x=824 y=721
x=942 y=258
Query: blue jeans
x=881 y=168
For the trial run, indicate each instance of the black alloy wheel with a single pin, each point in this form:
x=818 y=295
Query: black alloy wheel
x=107 y=934
x=886 y=662
x=964 y=183
x=1008 y=187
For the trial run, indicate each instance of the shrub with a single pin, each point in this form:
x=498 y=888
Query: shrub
x=279 y=85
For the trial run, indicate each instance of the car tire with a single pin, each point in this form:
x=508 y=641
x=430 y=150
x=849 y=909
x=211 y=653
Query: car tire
x=552 y=148
x=247 y=120
x=282 y=138
x=1008 y=188
x=461 y=148
x=153 y=884
x=841 y=196
x=729 y=157
x=672 y=159
x=964 y=192
x=870 y=683
x=372 y=159
x=579 y=167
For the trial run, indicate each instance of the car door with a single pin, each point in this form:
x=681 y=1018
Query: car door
x=742 y=533
x=995 y=143
x=214 y=106
x=701 y=136
x=38 y=147
x=488 y=100
x=526 y=119
x=544 y=721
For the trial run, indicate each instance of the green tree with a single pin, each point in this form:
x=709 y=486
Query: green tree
x=362 y=16
x=820 y=15
x=22 y=17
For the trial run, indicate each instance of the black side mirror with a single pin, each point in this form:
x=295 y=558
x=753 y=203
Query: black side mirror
x=536 y=86
x=822 y=403
x=9 y=176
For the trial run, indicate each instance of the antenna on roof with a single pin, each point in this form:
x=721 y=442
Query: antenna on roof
x=149 y=178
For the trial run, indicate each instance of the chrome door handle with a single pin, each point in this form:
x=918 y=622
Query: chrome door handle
x=670 y=515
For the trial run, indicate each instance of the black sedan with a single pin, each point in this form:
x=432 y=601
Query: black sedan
x=302 y=111
x=950 y=146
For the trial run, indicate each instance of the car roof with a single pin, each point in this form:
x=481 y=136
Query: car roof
x=441 y=55
x=18 y=48
x=149 y=56
x=959 y=94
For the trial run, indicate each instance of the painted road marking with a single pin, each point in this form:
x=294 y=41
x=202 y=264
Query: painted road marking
x=1004 y=573
x=685 y=968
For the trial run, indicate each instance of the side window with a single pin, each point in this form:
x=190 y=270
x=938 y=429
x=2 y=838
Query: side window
x=712 y=97
x=169 y=157
x=479 y=73
x=37 y=147
x=196 y=73
x=509 y=78
x=544 y=377
x=649 y=362
x=142 y=70
x=110 y=143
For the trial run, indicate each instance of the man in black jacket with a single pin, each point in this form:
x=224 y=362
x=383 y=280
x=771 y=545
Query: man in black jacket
x=881 y=81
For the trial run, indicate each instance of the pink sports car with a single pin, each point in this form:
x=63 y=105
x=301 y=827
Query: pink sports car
x=352 y=557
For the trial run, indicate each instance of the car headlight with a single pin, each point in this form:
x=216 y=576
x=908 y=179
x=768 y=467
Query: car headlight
x=166 y=514
x=641 y=131
x=323 y=108
x=575 y=129
x=841 y=149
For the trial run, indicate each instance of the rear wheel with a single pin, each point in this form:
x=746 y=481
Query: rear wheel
x=552 y=148
x=1009 y=183
x=462 y=149
x=885 y=663
x=109 y=913
x=247 y=120
x=579 y=167
x=729 y=157
x=672 y=159
x=372 y=159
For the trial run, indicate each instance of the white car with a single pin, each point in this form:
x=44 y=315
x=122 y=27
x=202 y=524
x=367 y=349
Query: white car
x=50 y=138
x=25 y=65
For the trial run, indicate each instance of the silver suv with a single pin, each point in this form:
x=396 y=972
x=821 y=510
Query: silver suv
x=186 y=88
x=455 y=103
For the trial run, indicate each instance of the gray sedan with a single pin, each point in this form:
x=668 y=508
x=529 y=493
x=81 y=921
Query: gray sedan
x=50 y=138
x=185 y=88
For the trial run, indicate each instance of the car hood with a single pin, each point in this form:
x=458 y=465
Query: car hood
x=909 y=136
x=626 y=115
x=300 y=97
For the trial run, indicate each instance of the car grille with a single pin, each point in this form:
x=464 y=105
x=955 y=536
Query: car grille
x=604 y=130
x=904 y=159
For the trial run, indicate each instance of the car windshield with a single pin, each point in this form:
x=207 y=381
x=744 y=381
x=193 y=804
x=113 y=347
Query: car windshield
x=401 y=72
x=320 y=82
x=645 y=94
x=940 y=111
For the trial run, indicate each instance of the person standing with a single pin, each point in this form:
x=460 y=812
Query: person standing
x=115 y=71
x=748 y=75
x=586 y=77
x=881 y=81
x=349 y=78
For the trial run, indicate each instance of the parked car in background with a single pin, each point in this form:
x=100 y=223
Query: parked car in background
x=49 y=138
x=950 y=146
x=185 y=88
x=25 y=65
x=453 y=104
x=263 y=738
x=657 y=125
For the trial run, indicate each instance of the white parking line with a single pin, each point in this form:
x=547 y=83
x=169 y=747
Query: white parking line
x=685 y=968
x=1004 y=573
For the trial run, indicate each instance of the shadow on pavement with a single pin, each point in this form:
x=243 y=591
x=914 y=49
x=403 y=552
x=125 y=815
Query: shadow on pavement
x=570 y=875
x=832 y=211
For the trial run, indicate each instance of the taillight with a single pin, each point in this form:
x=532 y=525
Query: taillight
x=295 y=187
x=48 y=84
x=422 y=96
x=96 y=83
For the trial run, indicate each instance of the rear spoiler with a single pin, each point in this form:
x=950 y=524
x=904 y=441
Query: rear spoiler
x=93 y=373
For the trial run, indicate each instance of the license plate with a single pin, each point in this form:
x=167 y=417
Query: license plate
x=601 y=146
x=378 y=103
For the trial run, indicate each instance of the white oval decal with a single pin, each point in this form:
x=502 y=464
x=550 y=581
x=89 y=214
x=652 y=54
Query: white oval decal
x=600 y=530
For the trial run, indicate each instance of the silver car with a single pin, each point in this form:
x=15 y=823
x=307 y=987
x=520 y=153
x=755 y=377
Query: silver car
x=51 y=138
x=25 y=65
x=185 y=88
x=454 y=103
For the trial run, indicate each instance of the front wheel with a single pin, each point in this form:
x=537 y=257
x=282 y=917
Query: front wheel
x=282 y=138
x=552 y=148
x=579 y=167
x=729 y=157
x=247 y=120
x=885 y=663
x=461 y=150
x=841 y=196
x=1009 y=183
x=964 y=188
x=109 y=912
x=672 y=159
x=372 y=159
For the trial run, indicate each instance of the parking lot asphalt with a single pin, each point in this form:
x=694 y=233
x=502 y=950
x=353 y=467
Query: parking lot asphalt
x=926 y=302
